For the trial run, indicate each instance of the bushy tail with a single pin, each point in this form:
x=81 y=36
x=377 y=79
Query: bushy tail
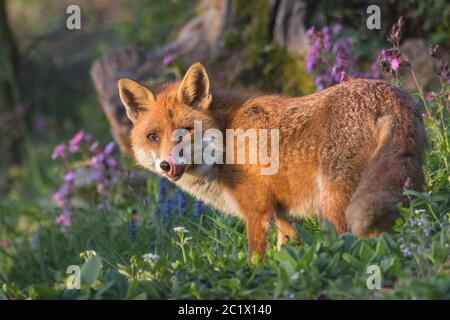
x=396 y=163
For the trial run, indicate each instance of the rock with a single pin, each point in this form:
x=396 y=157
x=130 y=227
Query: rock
x=288 y=30
x=415 y=51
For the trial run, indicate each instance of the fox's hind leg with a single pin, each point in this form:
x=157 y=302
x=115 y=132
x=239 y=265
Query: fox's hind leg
x=334 y=198
x=285 y=230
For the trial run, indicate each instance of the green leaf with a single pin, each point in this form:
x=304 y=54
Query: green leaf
x=120 y=283
x=282 y=282
x=284 y=257
x=352 y=261
x=390 y=266
x=103 y=288
x=91 y=270
x=365 y=252
x=379 y=250
x=306 y=259
x=152 y=293
x=329 y=232
x=303 y=234
x=142 y=296
x=69 y=294
x=83 y=294
x=333 y=262
x=46 y=293
x=3 y=296
x=132 y=288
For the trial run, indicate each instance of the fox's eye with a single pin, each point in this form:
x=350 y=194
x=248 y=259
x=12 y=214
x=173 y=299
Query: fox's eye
x=153 y=137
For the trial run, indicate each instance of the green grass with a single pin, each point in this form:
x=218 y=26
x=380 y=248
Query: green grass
x=214 y=263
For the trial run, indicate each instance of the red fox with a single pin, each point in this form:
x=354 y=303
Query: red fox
x=345 y=154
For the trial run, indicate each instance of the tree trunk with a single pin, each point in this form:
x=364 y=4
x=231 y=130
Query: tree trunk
x=9 y=91
x=8 y=63
x=201 y=39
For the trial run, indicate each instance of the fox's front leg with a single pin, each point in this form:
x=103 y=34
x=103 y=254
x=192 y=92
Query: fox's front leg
x=258 y=225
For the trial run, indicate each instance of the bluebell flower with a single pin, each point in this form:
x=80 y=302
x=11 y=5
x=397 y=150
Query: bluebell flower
x=132 y=229
x=181 y=202
x=198 y=207
x=162 y=204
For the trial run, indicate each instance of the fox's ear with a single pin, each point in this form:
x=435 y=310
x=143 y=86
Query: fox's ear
x=194 y=89
x=134 y=96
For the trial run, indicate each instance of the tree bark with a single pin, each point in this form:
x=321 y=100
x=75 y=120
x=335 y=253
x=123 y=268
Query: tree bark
x=9 y=92
x=8 y=63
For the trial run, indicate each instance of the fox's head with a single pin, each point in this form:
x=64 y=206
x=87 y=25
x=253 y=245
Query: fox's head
x=164 y=118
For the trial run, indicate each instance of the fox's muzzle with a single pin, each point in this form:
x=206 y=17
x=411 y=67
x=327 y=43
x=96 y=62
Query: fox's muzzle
x=171 y=168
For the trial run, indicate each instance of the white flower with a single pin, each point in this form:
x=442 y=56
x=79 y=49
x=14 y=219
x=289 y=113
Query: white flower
x=86 y=255
x=181 y=229
x=91 y=253
x=150 y=257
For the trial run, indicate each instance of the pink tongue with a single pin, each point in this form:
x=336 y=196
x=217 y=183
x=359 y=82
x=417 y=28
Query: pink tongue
x=173 y=166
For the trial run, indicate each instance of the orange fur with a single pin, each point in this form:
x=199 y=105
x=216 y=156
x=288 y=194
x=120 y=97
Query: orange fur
x=345 y=152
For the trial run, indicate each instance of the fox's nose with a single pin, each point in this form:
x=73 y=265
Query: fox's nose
x=164 y=165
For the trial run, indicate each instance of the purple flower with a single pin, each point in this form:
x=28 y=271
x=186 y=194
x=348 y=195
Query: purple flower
x=320 y=83
x=39 y=124
x=97 y=160
x=87 y=137
x=97 y=175
x=58 y=198
x=132 y=228
x=20 y=108
x=60 y=195
x=395 y=64
x=59 y=151
x=198 y=207
x=95 y=147
x=168 y=59
x=341 y=77
x=429 y=97
x=109 y=148
x=390 y=59
x=69 y=176
x=444 y=72
x=405 y=251
x=336 y=29
x=74 y=143
x=326 y=38
x=310 y=32
x=313 y=55
x=375 y=70
x=111 y=162
x=182 y=202
x=64 y=219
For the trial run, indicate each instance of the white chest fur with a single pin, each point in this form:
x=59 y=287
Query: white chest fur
x=205 y=188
